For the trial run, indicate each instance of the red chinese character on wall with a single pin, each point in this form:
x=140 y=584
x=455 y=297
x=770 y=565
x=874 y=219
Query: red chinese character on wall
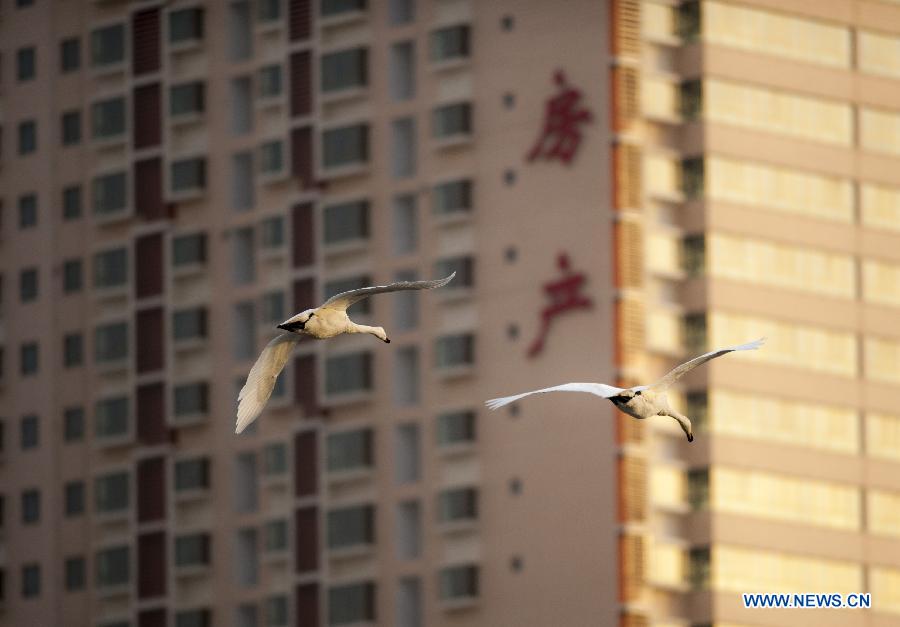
x=565 y=295
x=561 y=134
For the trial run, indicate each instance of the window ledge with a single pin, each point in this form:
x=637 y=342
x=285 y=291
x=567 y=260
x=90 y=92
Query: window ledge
x=182 y=120
x=345 y=94
x=461 y=526
x=451 y=218
x=453 y=63
x=350 y=475
x=193 y=494
x=113 y=441
x=192 y=570
x=270 y=27
x=346 y=18
x=346 y=247
x=276 y=556
x=270 y=102
x=356 y=551
x=188 y=420
x=111 y=591
x=453 y=141
x=113 y=217
x=275 y=480
x=270 y=253
x=185 y=195
x=109 y=70
x=271 y=178
x=182 y=47
x=112 y=367
x=351 y=169
x=190 y=344
x=458 y=604
x=115 y=142
x=115 y=292
x=188 y=270
x=112 y=517
x=347 y=398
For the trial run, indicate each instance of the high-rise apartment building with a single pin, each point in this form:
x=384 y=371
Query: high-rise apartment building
x=617 y=185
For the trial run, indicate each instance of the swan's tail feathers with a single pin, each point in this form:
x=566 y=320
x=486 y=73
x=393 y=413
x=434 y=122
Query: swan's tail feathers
x=497 y=403
x=750 y=346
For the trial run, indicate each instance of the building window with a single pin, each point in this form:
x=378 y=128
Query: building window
x=347 y=69
x=402 y=71
x=28 y=285
x=450 y=43
x=275 y=535
x=189 y=250
x=28 y=215
x=71 y=197
x=459 y=582
x=698 y=488
x=73 y=350
x=246 y=494
x=29 y=356
x=345 y=146
x=110 y=193
x=113 y=566
x=695 y=333
x=108 y=45
x=455 y=351
x=188 y=175
x=272 y=308
x=348 y=374
x=463 y=266
x=191 y=399
x=407 y=456
x=406 y=224
x=108 y=118
x=353 y=603
x=27 y=137
x=74 y=498
x=111 y=268
x=406 y=376
x=693 y=255
x=271 y=158
x=29 y=432
x=333 y=288
x=187 y=99
x=401 y=12
x=31 y=507
x=241 y=105
x=186 y=25
x=699 y=568
x=242 y=197
x=193 y=618
x=75 y=573
x=192 y=474
x=277 y=611
x=189 y=324
x=31 y=581
x=111 y=417
x=346 y=222
x=349 y=450
x=71 y=128
x=327 y=8
x=452 y=197
x=403 y=148
x=268 y=11
x=458 y=504
x=72 y=276
x=270 y=84
x=192 y=550
x=351 y=527
x=452 y=120
x=456 y=427
x=25 y=64
x=73 y=424
x=275 y=459
x=111 y=493
x=69 y=55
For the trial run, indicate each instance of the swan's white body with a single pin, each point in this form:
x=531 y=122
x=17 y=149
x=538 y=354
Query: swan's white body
x=641 y=401
x=326 y=321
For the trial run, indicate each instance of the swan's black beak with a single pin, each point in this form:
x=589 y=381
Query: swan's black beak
x=292 y=326
x=690 y=437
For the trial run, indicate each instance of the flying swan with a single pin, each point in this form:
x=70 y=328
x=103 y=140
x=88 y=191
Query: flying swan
x=641 y=401
x=321 y=323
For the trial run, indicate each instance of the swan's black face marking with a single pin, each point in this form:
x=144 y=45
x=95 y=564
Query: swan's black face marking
x=295 y=326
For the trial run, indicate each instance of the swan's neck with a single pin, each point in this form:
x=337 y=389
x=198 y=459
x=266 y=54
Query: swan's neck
x=364 y=328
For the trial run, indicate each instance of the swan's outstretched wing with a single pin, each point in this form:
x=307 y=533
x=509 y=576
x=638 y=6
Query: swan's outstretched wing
x=261 y=380
x=345 y=299
x=598 y=389
x=686 y=367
